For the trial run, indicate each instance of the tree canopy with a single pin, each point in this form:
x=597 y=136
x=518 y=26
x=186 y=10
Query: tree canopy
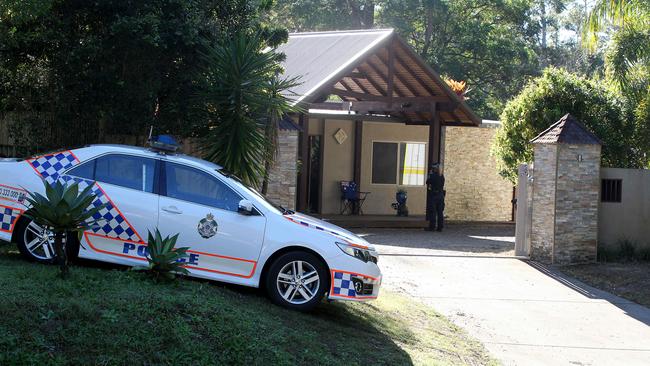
x=104 y=67
x=545 y=100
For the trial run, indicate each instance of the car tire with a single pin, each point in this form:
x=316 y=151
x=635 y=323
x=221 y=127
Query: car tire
x=297 y=280
x=25 y=234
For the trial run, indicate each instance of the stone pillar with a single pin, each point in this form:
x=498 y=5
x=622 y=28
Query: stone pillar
x=282 y=178
x=566 y=185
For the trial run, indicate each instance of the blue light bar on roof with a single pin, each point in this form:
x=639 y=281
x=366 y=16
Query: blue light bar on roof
x=164 y=143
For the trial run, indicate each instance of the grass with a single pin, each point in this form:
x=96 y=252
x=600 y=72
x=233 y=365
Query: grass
x=108 y=316
x=629 y=280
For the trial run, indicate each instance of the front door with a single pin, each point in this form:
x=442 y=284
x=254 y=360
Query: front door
x=203 y=209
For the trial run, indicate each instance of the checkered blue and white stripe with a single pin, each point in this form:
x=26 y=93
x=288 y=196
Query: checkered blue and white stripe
x=110 y=222
x=343 y=284
x=51 y=165
x=8 y=217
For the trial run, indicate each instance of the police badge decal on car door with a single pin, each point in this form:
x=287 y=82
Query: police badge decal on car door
x=207 y=227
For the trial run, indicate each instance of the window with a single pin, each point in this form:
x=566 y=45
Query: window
x=192 y=185
x=121 y=170
x=384 y=163
x=126 y=171
x=412 y=164
x=85 y=170
x=398 y=163
x=611 y=190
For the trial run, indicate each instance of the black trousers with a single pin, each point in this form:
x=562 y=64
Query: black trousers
x=436 y=213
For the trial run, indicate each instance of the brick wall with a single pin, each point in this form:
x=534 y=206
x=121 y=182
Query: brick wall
x=475 y=191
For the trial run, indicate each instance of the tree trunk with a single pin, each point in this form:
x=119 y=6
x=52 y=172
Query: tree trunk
x=61 y=253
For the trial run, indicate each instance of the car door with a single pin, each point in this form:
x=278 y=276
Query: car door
x=126 y=184
x=199 y=206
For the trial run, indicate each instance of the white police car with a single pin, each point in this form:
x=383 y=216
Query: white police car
x=235 y=235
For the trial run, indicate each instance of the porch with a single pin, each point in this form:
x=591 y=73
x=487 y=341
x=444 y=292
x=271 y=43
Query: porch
x=400 y=222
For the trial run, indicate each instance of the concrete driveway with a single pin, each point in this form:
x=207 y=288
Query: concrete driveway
x=524 y=313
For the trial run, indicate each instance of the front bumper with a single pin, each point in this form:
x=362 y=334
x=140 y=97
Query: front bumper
x=354 y=286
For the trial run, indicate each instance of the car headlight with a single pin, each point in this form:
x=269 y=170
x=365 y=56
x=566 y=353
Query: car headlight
x=360 y=252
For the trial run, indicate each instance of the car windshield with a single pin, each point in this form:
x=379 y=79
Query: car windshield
x=234 y=179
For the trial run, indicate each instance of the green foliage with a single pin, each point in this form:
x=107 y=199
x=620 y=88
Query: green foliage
x=163 y=258
x=108 y=67
x=62 y=210
x=243 y=96
x=545 y=100
x=617 y=12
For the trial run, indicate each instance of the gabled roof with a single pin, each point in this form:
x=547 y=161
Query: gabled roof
x=567 y=131
x=355 y=64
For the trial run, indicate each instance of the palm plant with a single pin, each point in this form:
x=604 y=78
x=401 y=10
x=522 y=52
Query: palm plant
x=238 y=96
x=165 y=260
x=277 y=107
x=62 y=210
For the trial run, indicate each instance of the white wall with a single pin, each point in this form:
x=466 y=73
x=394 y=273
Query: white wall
x=630 y=218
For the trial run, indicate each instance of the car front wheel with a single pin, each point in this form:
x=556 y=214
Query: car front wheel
x=297 y=280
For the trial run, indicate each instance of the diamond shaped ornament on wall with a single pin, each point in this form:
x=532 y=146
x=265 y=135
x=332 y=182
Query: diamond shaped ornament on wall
x=340 y=136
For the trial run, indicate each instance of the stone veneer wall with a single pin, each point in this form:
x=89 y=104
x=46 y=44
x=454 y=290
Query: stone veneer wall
x=576 y=207
x=542 y=233
x=282 y=179
x=565 y=196
x=475 y=191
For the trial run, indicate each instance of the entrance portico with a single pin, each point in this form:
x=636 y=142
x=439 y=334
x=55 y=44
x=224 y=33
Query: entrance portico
x=371 y=109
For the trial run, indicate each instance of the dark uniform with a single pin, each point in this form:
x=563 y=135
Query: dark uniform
x=435 y=199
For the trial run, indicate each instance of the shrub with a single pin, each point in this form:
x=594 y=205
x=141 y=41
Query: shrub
x=164 y=260
x=545 y=100
x=63 y=209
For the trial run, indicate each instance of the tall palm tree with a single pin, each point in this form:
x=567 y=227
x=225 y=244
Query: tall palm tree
x=616 y=12
x=628 y=56
x=238 y=99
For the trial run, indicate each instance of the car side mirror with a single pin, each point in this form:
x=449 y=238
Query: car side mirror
x=245 y=207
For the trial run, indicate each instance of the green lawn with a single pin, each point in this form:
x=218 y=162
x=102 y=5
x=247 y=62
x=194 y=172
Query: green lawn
x=109 y=316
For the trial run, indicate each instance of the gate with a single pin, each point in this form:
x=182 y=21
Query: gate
x=524 y=210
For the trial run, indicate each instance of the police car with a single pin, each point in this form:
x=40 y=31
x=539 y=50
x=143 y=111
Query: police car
x=234 y=233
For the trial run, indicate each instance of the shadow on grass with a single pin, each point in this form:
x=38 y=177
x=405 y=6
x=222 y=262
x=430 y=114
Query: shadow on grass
x=107 y=314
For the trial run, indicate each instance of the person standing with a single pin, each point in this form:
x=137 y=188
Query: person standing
x=435 y=198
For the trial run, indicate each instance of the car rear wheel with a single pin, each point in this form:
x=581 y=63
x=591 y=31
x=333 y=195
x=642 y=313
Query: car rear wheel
x=297 y=280
x=36 y=243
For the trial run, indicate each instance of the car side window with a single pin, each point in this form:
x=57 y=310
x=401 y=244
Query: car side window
x=189 y=184
x=126 y=171
x=85 y=170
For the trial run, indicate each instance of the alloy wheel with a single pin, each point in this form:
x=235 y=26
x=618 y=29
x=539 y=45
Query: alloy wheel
x=298 y=282
x=39 y=241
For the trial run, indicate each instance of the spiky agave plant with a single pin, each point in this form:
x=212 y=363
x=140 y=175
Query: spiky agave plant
x=164 y=260
x=62 y=210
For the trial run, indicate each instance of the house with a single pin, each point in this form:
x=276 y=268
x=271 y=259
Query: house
x=375 y=113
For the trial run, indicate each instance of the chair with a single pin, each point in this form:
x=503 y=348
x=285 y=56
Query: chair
x=351 y=199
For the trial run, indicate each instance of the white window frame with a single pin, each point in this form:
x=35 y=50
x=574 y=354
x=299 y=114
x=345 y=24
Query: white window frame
x=399 y=144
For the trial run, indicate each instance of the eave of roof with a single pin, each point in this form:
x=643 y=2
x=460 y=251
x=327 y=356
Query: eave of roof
x=324 y=64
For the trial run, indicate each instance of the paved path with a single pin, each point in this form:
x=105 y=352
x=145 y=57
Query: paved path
x=524 y=313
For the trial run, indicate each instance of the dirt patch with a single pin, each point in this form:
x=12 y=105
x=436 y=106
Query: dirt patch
x=630 y=280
